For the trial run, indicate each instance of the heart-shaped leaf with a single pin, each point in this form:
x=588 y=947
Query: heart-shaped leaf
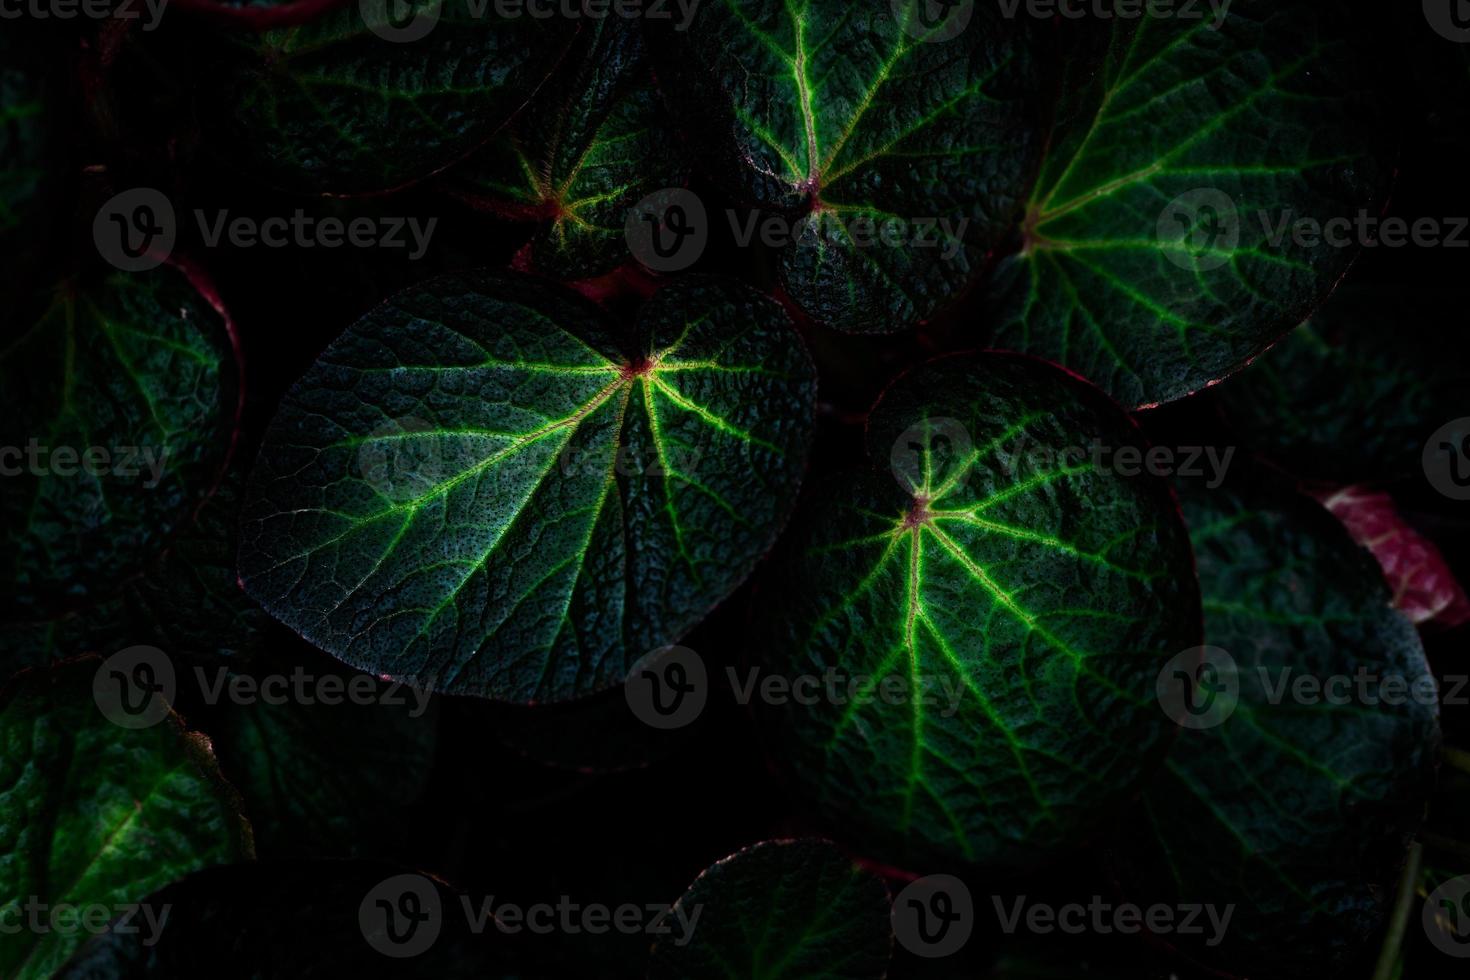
x=117 y=411
x=96 y=814
x=894 y=147
x=993 y=620
x=1158 y=251
x=797 y=909
x=481 y=486
x=592 y=145
x=1354 y=393
x=1294 y=809
x=357 y=101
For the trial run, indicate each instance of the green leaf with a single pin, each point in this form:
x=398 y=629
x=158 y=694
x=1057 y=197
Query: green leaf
x=591 y=146
x=1354 y=393
x=837 y=114
x=139 y=373
x=1029 y=594
x=481 y=486
x=96 y=814
x=1297 y=813
x=331 y=106
x=797 y=909
x=328 y=779
x=1146 y=261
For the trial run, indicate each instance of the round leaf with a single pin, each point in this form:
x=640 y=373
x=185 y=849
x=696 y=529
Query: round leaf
x=1020 y=597
x=1297 y=813
x=1158 y=252
x=479 y=487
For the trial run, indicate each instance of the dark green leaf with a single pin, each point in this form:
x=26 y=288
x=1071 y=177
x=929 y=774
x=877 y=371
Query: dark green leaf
x=1297 y=813
x=95 y=814
x=478 y=486
x=1354 y=393
x=836 y=114
x=334 y=107
x=798 y=909
x=139 y=373
x=1146 y=259
x=1031 y=593
x=593 y=144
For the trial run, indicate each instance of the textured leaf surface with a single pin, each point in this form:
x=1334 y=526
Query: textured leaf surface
x=782 y=909
x=479 y=486
x=1354 y=393
x=1298 y=814
x=592 y=145
x=139 y=368
x=1044 y=591
x=91 y=813
x=333 y=107
x=835 y=114
x=1167 y=139
x=277 y=919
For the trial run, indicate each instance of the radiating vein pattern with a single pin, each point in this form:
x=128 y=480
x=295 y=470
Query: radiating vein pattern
x=848 y=119
x=1158 y=252
x=1027 y=595
x=1298 y=812
x=477 y=487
